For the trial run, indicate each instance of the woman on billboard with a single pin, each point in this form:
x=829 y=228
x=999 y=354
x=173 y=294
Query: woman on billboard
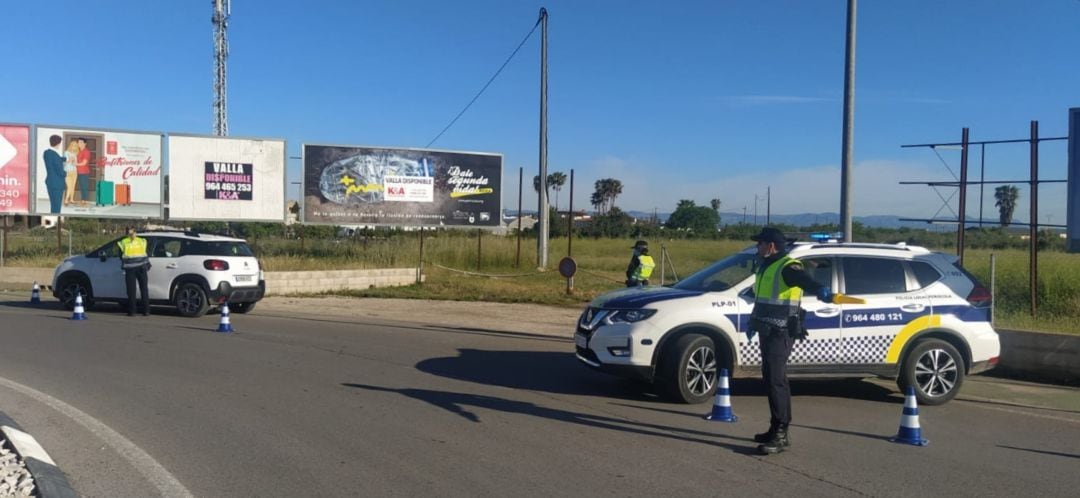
x=70 y=158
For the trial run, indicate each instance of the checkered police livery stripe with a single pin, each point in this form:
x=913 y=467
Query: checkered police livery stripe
x=855 y=350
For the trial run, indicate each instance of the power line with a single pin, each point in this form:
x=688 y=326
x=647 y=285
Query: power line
x=486 y=85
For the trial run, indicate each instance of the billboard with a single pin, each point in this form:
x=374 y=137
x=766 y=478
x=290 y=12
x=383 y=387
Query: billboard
x=347 y=185
x=14 y=169
x=227 y=179
x=1072 y=214
x=97 y=173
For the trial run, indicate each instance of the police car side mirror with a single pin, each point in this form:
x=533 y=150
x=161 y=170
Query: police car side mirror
x=102 y=256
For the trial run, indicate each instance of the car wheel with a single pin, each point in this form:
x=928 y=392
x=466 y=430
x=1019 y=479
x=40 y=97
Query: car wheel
x=74 y=285
x=689 y=369
x=935 y=369
x=190 y=300
x=241 y=307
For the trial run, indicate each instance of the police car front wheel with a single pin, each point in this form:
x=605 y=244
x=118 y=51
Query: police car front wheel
x=935 y=369
x=689 y=369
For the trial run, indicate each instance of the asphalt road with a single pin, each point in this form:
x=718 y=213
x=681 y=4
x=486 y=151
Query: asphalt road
x=333 y=405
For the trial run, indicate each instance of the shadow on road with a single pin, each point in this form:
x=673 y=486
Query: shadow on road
x=877 y=437
x=459 y=404
x=1044 y=452
x=562 y=373
x=546 y=371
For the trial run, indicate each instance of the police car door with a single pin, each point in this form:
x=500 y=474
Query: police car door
x=892 y=301
x=822 y=320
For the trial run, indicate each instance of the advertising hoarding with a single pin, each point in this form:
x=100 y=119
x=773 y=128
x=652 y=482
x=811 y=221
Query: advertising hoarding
x=346 y=185
x=14 y=169
x=97 y=173
x=226 y=179
x=1072 y=213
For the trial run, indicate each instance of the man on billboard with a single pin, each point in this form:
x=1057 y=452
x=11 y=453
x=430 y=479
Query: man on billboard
x=82 y=167
x=54 y=174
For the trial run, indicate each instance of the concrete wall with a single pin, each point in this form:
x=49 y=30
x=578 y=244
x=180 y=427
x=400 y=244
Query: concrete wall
x=277 y=282
x=300 y=282
x=1039 y=356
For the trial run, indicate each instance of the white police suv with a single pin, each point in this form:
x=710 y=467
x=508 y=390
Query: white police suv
x=189 y=270
x=925 y=322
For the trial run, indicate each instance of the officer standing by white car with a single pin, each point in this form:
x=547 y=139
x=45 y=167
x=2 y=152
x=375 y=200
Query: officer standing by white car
x=136 y=263
x=778 y=318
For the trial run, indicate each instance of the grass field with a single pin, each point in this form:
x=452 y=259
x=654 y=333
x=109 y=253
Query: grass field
x=453 y=271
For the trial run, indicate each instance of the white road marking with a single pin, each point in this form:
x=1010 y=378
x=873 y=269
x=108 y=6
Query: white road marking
x=160 y=478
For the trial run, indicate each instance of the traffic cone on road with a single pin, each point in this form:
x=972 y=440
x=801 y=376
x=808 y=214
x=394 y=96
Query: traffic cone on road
x=721 y=410
x=35 y=294
x=910 y=432
x=224 y=325
x=79 y=313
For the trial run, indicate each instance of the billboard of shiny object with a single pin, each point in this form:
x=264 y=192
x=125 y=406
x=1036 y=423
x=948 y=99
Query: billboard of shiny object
x=97 y=173
x=345 y=185
x=226 y=178
x=14 y=169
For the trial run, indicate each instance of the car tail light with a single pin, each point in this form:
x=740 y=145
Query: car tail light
x=215 y=264
x=980 y=297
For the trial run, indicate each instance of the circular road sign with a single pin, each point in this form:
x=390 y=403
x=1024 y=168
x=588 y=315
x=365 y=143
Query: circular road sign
x=567 y=267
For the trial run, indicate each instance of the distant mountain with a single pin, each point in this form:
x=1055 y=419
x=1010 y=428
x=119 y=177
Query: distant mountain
x=799 y=220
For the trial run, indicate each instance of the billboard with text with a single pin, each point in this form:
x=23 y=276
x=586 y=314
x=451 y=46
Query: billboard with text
x=97 y=173
x=14 y=169
x=227 y=179
x=347 y=185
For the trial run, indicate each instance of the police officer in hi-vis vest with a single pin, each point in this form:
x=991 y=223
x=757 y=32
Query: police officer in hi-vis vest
x=778 y=319
x=136 y=263
x=641 y=265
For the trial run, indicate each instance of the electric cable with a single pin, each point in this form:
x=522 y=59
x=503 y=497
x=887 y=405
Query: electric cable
x=486 y=85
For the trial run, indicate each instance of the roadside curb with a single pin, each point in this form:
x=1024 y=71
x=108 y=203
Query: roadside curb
x=49 y=480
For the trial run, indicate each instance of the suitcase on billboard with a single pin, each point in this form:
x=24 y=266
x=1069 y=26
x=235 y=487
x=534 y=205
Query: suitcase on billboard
x=106 y=193
x=123 y=195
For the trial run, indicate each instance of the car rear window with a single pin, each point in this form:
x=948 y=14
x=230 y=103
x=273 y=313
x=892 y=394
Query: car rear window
x=217 y=248
x=925 y=273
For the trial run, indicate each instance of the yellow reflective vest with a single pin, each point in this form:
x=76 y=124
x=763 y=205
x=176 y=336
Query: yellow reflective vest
x=644 y=269
x=133 y=252
x=774 y=300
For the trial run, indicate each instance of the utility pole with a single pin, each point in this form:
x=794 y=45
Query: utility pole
x=542 y=208
x=768 y=205
x=849 y=125
x=222 y=10
x=755 y=209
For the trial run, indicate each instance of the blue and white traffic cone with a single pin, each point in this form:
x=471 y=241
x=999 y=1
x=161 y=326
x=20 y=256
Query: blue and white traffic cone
x=910 y=432
x=721 y=410
x=35 y=294
x=80 y=313
x=224 y=325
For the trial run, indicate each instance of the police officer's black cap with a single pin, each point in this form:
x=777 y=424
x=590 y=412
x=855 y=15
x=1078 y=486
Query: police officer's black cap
x=770 y=234
x=640 y=244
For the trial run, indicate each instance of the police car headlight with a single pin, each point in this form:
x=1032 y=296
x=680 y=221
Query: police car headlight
x=629 y=316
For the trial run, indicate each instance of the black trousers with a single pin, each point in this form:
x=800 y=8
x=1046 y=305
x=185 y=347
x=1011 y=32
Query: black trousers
x=775 y=350
x=132 y=275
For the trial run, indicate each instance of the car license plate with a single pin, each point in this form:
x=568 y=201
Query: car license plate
x=243 y=278
x=581 y=341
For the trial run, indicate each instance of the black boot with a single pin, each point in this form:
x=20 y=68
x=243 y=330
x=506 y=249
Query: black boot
x=778 y=443
x=766 y=436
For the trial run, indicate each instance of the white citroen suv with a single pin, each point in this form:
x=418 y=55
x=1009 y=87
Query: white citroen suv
x=925 y=322
x=191 y=271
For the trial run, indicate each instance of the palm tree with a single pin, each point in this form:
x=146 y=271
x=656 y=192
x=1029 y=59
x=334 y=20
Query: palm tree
x=609 y=189
x=1006 y=196
x=556 y=181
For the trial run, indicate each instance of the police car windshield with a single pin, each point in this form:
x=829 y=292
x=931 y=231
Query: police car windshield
x=721 y=275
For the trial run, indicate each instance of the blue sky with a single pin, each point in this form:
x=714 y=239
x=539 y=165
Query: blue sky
x=678 y=100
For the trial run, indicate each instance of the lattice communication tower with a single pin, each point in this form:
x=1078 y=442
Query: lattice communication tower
x=222 y=10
